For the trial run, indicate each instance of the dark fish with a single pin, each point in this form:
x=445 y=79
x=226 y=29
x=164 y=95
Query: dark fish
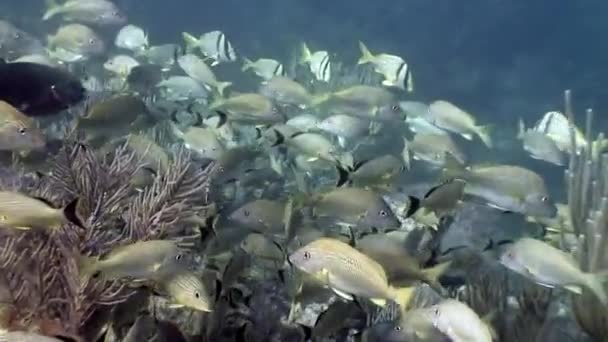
x=39 y=90
x=144 y=77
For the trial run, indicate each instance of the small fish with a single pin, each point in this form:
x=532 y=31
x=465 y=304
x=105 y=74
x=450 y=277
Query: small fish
x=14 y=42
x=339 y=316
x=187 y=289
x=182 y=88
x=348 y=272
x=121 y=65
x=357 y=206
x=506 y=187
x=24 y=336
x=161 y=55
x=286 y=91
x=260 y=215
x=77 y=39
x=264 y=67
x=455 y=320
x=18 y=132
x=196 y=68
x=551 y=267
x=204 y=141
x=98 y=12
x=373 y=171
x=117 y=111
x=234 y=162
x=262 y=247
x=318 y=61
x=144 y=77
x=39 y=90
x=213 y=45
x=149 y=152
x=248 y=108
x=446 y=115
x=20 y=211
x=431 y=148
x=556 y=126
x=316 y=147
x=386 y=249
x=147 y=260
x=37 y=58
x=369 y=102
x=395 y=70
x=132 y=38
x=304 y=122
x=540 y=146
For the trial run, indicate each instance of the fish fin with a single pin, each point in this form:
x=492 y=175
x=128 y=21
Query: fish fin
x=280 y=138
x=223 y=118
x=221 y=86
x=87 y=266
x=343 y=176
x=305 y=54
x=389 y=83
x=414 y=205
x=45 y=201
x=484 y=134
x=574 y=288
x=379 y=301
x=406 y=154
x=452 y=168
x=70 y=212
x=247 y=64
x=175 y=306
x=366 y=55
x=52 y=9
x=432 y=274
x=312 y=159
x=487 y=321
x=342 y=294
x=341 y=141
x=521 y=128
x=403 y=296
x=595 y=282
x=467 y=136
x=319 y=99
x=191 y=41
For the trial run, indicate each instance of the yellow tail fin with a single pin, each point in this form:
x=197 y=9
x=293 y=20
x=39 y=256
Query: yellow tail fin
x=366 y=55
x=433 y=273
x=403 y=296
x=320 y=99
x=190 y=40
x=87 y=266
x=484 y=134
x=221 y=86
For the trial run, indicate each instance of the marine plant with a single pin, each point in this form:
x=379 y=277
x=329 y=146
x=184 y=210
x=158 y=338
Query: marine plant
x=587 y=189
x=41 y=289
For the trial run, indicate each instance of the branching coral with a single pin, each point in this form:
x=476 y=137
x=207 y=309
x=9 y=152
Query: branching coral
x=41 y=288
x=587 y=186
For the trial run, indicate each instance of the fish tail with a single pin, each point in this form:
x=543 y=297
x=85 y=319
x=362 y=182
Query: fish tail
x=247 y=64
x=319 y=99
x=414 y=206
x=52 y=9
x=305 y=54
x=87 y=266
x=221 y=86
x=191 y=41
x=452 y=168
x=403 y=296
x=343 y=176
x=366 y=55
x=595 y=282
x=432 y=274
x=70 y=212
x=484 y=134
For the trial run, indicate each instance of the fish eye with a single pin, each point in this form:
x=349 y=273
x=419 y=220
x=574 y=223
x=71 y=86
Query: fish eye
x=307 y=255
x=397 y=328
x=17 y=35
x=22 y=130
x=436 y=311
x=544 y=198
x=178 y=257
x=246 y=213
x=197 y=295
x=91 y=41
x=395 y=108
x=383 y=213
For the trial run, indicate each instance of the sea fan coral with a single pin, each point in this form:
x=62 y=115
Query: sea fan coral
x=40 y=285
